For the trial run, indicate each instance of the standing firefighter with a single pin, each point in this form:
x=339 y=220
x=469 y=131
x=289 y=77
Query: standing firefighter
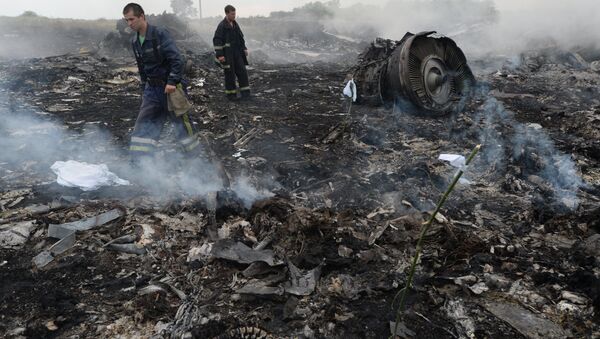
x=231 y=53
x=161 y=69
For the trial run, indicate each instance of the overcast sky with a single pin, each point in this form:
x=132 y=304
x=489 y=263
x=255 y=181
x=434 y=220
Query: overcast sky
x=88 y=9
x=111 y=9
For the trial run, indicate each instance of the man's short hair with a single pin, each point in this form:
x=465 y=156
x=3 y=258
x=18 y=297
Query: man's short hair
x=229 y=9
x=137 y=9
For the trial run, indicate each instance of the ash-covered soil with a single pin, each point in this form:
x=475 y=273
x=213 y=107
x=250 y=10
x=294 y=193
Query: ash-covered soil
x=514 y=253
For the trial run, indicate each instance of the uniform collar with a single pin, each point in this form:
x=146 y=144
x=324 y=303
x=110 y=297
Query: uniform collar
x=227 y=23
x=150 y=34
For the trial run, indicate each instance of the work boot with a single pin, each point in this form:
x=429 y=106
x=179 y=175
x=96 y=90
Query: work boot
x=232 y=97
x=137 y=161
x=246 y=95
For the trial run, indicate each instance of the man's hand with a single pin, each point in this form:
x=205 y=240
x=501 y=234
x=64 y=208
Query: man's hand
x=221 y=59
x=246 y=52
x=170 y=89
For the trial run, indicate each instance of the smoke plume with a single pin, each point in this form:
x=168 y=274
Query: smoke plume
x=508 y=142
x=27 y=138
x=479 y=27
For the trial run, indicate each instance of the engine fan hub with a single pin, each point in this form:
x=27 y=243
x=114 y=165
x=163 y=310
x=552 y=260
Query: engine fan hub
x=436 y=80
x=426 y=69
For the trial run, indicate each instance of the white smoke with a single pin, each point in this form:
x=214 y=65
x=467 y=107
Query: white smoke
x=247 y=192
x=480 y=27
x=26 y=138
x=527 y=144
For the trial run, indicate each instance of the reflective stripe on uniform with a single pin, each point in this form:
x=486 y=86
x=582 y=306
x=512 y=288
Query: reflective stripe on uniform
x=188 y=140
x=221 y=64
x=141 y=148
x=192 y=145
x=231 y=91
x=144 y=141
x=220 y=47
x=188 y=125
x=247 y=88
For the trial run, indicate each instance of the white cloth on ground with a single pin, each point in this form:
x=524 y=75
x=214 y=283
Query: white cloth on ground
x=350 y=90
x=87 y=177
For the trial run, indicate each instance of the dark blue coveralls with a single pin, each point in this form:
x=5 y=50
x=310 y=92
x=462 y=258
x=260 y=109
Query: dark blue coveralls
x=229 y=42
x=159 y=63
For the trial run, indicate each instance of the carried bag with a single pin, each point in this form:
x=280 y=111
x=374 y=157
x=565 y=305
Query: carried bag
x=178 y=102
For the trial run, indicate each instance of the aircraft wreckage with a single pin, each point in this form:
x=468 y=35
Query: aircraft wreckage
x=427 y=69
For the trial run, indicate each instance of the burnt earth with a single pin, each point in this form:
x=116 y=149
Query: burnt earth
x=508 y=229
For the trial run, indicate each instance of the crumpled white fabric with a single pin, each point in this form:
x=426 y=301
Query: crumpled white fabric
x=455 y=160
x=87 y=177
x=350 y=90
x=459 y=162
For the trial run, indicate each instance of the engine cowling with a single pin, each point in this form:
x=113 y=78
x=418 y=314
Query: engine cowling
x=426 y=69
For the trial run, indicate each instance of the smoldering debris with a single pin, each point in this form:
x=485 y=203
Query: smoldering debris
x=315 y=238
x=529 y=148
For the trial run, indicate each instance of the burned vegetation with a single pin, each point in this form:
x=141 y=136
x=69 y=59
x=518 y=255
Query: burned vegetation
x=315 y=236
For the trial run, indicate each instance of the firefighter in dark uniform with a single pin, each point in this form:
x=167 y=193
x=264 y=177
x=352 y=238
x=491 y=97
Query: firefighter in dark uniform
x=161 y=69
x=231 y=54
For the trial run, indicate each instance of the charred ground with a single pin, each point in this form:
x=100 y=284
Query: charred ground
x=351 y=193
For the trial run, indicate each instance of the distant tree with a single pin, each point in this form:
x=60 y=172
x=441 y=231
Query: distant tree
x=333 y=4
x=29 y=14
x=184 y=8
x=316 y=10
